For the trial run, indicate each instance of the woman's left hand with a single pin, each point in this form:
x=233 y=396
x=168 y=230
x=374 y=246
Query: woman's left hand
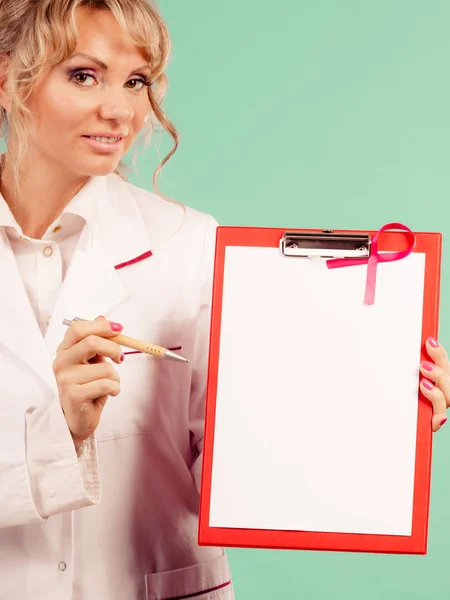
x=436 y=383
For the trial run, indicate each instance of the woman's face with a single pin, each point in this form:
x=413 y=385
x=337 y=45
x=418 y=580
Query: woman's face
x=81 y=99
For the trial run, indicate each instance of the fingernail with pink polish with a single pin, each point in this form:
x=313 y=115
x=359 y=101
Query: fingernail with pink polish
x=116 y=326
x=427 y=365
x=444 y=421
x=122 y=357
x=433 y=343
x=427 y=384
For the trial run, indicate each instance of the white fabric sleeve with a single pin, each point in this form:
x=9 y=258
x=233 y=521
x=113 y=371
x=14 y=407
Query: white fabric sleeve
x=41 y=473
x=201 y=351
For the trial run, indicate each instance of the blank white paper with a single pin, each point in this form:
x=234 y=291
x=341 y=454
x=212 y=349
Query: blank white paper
x=317 y=396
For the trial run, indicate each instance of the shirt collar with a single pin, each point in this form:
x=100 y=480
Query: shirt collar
x=83 y=205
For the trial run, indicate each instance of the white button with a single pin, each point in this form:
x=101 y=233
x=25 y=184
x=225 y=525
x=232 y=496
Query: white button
x=48 y=251
x=62 y=566
x=52 y=493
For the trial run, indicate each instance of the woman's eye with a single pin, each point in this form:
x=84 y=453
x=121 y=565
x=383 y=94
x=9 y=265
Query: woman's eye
x=83 y=79
x=140 y=84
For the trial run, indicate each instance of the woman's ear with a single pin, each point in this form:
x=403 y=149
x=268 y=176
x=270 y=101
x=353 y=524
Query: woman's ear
x=5 y=101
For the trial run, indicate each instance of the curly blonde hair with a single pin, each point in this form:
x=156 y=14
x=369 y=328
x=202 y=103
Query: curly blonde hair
x=36 y=35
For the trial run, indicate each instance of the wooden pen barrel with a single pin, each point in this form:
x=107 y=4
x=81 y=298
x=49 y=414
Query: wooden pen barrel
x=135 y=344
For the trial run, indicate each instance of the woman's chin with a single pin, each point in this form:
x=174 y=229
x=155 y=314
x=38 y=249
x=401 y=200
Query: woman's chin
x=101 y=169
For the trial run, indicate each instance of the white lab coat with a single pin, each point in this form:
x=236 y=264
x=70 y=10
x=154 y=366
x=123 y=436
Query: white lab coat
x=139 y=541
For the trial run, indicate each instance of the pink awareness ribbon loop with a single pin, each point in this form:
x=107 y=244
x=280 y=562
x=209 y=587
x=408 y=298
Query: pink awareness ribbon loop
x=374 y=258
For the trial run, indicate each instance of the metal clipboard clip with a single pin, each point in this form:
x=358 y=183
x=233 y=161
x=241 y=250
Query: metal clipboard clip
x=326 y=244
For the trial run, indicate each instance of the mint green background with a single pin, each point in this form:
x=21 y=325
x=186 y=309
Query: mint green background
x=319 y=113
x=328 y=114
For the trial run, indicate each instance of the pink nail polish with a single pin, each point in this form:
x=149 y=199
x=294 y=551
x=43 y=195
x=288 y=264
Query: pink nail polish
x=433 y=343
x=122 y=357
x=116 y=326
x=427 y=384
x=444 y=421
x=427 y=365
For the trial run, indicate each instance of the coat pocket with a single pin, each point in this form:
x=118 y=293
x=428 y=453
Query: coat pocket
x=154 y=393
x=205 y=581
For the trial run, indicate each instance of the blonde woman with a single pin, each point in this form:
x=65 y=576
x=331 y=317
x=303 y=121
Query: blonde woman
x=100 y=457
x=100 y=453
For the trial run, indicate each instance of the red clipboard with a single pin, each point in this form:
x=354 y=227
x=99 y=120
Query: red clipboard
x=416 y=543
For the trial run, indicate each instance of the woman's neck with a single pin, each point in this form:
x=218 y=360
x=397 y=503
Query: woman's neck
x=44 y=193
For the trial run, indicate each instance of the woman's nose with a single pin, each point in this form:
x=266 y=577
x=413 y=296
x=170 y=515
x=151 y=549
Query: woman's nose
x=118 y=110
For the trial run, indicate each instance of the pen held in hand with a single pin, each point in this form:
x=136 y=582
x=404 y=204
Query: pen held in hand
x=135 y=344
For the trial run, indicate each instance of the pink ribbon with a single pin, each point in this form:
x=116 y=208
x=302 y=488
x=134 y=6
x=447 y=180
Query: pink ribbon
x=374 y=259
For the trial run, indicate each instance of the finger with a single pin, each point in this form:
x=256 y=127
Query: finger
x=88 y=348
x=92 y=346
x=439 y=377
x=86 y=373
x=81 y=329
x=438 y=354
x=97 y=358
x=102 y=388
x=437 y=399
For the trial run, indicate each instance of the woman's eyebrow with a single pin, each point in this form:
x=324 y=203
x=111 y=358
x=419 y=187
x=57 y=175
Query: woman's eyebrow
x=101 y=64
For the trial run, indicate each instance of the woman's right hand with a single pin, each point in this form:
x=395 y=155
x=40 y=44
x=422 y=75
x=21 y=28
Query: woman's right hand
x=85 y=379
